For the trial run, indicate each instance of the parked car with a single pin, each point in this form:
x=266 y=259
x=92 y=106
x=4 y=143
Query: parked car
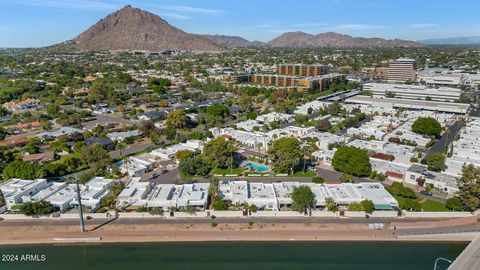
x=426 y=193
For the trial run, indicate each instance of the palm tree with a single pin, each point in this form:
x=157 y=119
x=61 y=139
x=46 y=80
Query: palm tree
x=306 y=154
x=231 y=149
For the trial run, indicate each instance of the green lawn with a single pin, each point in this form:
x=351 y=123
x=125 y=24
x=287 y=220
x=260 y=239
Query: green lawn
x=228 y=171
x=433 y=206
x=304 y=174
x=428 y=205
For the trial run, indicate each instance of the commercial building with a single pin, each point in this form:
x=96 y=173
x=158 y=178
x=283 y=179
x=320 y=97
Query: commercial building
x=445 y=94
x=382 y=103
x=402 y=70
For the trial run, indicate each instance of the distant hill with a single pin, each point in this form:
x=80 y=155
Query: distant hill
x=471 y=40
x=301 y=39
x=135 y=29
x=233 y=41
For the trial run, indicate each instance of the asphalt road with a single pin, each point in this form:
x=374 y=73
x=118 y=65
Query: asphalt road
x=170 y=177
x=445 y=140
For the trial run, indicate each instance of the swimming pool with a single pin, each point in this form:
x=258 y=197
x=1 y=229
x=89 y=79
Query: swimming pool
x=256 y=167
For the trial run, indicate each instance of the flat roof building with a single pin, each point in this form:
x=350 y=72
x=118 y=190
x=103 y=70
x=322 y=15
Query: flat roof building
x=458 y=108
x=403 y=91
x=402 y=70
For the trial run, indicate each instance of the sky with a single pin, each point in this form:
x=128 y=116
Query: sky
x=36 y=23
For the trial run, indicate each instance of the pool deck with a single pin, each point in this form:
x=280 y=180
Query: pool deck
x=469 y=259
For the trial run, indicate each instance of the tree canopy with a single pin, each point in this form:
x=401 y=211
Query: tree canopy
x=21 y=169
x=177 y=119
x=352 y=160
x=219 y=153
x=436 y=162
x=36 y=208
x=286 y=154
x=302 y=198
x=469 y=183
x=427 y=126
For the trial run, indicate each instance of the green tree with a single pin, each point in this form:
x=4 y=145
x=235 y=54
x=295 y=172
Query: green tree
x=436 y=162
x=352 y=160
x=36 y=208
x=455 y=204
x=331 y=205
x=194 y=166
x=177 y=119
x=218 y=204
x=219 y=153
x=318 y=180
x=302 y=199
x=427 y=126
x=286 y=154
x=469 y=183
x=323 y=125
x=2 y=199
x=22 y=170
x=184 y=154
x=94 y=156
x=218 y=110
x=367 y=206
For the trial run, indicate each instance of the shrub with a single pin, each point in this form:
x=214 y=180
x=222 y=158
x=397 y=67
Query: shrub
x=454 y=203
x=318 y=180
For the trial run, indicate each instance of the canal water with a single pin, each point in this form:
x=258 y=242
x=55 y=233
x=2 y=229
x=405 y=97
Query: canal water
x=230 y=255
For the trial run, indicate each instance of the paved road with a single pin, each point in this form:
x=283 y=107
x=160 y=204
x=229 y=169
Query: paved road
x=170 y=177
x=445 y=140
x=236 y=220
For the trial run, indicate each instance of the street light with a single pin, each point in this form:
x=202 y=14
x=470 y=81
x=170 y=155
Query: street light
x=438 y=259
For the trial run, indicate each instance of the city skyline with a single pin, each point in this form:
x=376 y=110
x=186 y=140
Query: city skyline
x=36 y=23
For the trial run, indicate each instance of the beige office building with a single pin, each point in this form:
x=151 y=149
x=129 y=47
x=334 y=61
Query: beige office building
x=402 y=70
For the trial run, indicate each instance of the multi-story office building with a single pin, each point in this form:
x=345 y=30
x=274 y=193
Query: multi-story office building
x=301 y=70
x=402 y=70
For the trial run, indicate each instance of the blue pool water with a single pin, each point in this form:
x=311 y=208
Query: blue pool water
x=256 y=167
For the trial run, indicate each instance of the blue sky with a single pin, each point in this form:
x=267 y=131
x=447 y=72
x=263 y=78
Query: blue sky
x=34 y=23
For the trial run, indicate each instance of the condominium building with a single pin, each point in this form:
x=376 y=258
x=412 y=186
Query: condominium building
x=301 y=70
x=402 y=70
x=298 y=83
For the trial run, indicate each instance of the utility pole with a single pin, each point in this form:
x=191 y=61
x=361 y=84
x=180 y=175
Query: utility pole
x=80 y=208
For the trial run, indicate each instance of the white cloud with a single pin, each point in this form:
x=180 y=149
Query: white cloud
x=187 y=9
x=423 y=25
x=175 y=16
x=358 y=26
